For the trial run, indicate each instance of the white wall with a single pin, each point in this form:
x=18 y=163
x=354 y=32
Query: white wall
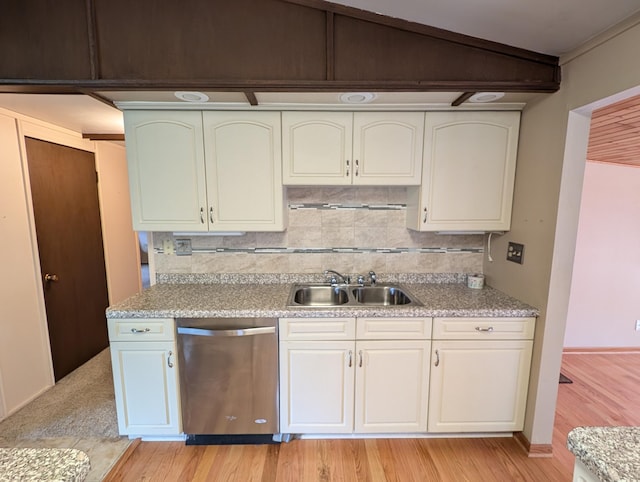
x=121 y=252
x=25 y=359
x=551 y=161
x=605 y=290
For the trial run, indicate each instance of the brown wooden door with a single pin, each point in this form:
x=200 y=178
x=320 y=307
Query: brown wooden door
x=67 y=217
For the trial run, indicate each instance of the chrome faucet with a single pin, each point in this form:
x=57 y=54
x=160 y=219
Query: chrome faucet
x=334 y=277
x=373 y=278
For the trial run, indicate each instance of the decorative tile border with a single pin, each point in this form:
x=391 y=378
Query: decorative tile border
x=348 y=206
x=270 y=250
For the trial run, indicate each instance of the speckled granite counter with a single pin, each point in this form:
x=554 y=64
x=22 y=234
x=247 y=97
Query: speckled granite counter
x=56 y=465
x=199 y=300
x=610 y=453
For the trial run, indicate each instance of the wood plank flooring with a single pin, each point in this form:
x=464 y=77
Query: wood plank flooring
x=605 y=391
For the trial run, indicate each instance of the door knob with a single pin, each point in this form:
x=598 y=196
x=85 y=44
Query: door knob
x=51 y=277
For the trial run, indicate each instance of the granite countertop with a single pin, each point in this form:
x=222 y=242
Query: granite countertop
x=610 y=453
x=59 y=465
x=201 y=300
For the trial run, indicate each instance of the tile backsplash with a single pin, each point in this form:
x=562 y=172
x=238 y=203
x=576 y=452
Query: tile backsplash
x=350 y=229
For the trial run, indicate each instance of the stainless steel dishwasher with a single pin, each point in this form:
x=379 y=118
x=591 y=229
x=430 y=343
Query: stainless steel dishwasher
x=229 y=379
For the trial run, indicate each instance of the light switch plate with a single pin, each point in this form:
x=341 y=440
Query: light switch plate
x=515 y=252
x=183 y=247
x=167 y=246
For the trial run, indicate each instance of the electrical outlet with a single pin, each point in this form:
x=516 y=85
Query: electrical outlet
x=167 y=246
x=515 y=252
x=637 y=325
x=183 y=247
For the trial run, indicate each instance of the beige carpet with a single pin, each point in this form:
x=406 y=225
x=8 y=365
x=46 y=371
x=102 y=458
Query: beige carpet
x=78 y=412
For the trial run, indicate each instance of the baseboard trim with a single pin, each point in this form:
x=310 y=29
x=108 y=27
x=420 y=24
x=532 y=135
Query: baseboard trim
x=533 y=450
x=601 y=350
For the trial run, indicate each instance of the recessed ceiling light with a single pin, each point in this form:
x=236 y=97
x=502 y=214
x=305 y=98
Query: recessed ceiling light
x=192 y=96
x=357 y=97
x=486 y=96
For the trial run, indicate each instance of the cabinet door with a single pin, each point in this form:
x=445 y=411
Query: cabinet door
x=316 y=386
x=244 y=162
x=392 y=386
x=478 y=386
x=468 y=172
x=316 y=148
x=387 y=148
x=165 y=158
x=145 y=378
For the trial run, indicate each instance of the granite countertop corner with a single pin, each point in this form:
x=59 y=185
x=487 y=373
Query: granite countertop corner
x=610 y=453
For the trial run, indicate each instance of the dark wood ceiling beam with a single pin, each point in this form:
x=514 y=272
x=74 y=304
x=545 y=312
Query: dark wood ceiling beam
x=103 y=137
x=463 y=98
x=92 y=39
x=98 y=97
x=250 y=46
x=427 y=30
x=251 y=98
x=81 y=86
x=331 y=54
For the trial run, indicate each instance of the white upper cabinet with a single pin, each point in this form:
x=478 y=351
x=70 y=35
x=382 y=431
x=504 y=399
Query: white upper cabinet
x=317 y=147
x=343 y=148
x=468 y=172
x=243 y=163
x=205 y=171
x=166 y=170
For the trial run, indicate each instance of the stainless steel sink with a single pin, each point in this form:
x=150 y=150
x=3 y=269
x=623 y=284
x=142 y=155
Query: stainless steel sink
x=381 y=295
x=321 y=295
x=326 y=296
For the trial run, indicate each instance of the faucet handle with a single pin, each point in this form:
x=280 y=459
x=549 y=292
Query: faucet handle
x=360 y=280
x=373 y=277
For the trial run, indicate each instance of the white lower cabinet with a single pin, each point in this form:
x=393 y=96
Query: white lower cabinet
x=479 y=374
x=145 y=375
x=392 y=386
x=330 y=385
x=316 y=386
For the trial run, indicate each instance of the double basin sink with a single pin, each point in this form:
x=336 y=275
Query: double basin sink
x=324 y=295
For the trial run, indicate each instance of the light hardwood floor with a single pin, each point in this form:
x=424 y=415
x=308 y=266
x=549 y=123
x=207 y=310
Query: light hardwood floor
x=606 y=391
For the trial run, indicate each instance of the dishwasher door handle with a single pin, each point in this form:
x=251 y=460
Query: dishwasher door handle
x=261 y=330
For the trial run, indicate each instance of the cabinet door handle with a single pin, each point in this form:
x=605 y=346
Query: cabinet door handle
x=202 y=215
x=357 y=166
x=425 y=215
x=211 y=214
x=485 y=330
x=169 y=362
x=437 y=358
x=347 y=167
x=136 y=330
x=360 y=359
x=350 y=355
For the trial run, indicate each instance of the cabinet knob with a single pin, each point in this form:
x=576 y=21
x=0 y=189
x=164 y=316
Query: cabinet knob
x=211 y=214
x=202 y=215
x=357 y=167
x=437 y=358
x=425 y=215
x=347 y=167
x=360 y=358
x=350 y=356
